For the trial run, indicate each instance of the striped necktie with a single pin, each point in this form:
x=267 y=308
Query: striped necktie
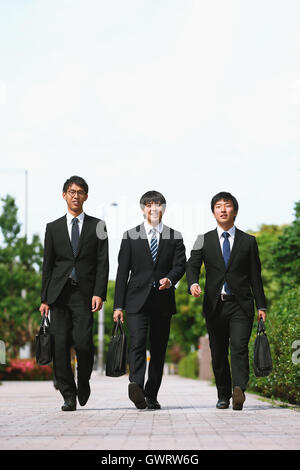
x=74 y=241
x=153 y=245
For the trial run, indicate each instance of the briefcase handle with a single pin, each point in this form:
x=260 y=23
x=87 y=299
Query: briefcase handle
x=261 y=326
x=45 y=323
x=117 y=326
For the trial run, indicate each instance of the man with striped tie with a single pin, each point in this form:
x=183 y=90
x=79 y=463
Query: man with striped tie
x=151 y=262
x=233 y=280
x=74 y=284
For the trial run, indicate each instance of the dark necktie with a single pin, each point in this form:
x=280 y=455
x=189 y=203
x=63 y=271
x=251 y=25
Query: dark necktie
x=226 y=256
x=75 y=241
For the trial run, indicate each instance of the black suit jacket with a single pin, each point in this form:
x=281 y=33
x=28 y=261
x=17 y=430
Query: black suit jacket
x=91 y=262
x=243 y=273
x=137 y=272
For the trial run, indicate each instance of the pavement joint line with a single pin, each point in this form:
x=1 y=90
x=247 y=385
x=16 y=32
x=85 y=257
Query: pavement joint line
x=188 y=419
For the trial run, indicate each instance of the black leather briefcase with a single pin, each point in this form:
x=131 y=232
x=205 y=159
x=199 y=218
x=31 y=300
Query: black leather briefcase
x=43 y=343
x=117 y=352
x=262 y=360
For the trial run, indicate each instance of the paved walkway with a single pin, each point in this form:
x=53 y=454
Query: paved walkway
x=30 y=418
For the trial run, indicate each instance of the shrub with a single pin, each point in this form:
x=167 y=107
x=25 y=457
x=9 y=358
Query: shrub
x=282 y=328
x=189 y=366
x=25 y=369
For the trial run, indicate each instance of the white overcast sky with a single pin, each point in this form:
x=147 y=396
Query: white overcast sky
x=188 y=97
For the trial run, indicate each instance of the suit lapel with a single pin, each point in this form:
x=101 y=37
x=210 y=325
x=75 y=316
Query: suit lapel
x=144 y=243
x=65 y=234
x=163 y=237
x=235 y=247
x=84 y=231
x=216 y=247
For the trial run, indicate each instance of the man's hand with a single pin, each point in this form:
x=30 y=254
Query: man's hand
x=164 y=283
x=195 y=290
x=118 y=314
x=97 y=303
x=261 y=314
x=44 y=309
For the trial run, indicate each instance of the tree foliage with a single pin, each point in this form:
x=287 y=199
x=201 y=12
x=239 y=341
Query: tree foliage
x=285 y=254
x=20 y=281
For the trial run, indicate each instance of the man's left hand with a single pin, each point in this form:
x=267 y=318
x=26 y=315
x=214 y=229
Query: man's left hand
x=97 y=303
x=261 y=314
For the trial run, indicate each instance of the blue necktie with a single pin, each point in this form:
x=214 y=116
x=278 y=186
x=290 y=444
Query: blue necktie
x=74 y=241
x=226 y=256
x=153 y=245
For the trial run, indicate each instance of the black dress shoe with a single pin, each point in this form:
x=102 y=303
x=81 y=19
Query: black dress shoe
x=83 y=392
x=222 y=403
x=238 y=398
x=152 y=404
x=136 y=395
x=69 y=405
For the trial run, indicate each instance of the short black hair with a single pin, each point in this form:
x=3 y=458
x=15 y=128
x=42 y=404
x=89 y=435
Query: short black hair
x=152 y=196
x=226 y=197
x=76 y=180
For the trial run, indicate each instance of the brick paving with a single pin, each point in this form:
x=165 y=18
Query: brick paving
x=31 y=419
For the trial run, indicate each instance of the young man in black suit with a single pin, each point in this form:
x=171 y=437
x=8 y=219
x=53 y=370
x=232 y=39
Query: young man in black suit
x=74 y=285
x=233 y=279
x=151 y=261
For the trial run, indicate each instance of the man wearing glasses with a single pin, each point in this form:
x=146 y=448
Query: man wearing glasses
x=74 y=285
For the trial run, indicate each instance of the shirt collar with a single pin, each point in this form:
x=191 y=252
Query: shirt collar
x=70 y=217
x=149 y=227
x=231 y=231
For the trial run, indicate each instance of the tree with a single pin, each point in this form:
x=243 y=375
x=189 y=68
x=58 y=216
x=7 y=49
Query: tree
x=286 y=254
x=267 y=237
x=188 y=324
x=20 y=281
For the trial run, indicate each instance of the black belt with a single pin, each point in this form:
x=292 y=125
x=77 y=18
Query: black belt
x=72 y=283
x=227 y=298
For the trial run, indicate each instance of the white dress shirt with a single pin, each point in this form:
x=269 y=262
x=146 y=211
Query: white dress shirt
x=158 y=230
x=231 y=232
x=70 y=217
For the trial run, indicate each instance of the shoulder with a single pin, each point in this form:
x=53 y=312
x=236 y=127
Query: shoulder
x=246 y=236
x=57 y=222
x=90 y=218
x=169 y=233
x=134 y=233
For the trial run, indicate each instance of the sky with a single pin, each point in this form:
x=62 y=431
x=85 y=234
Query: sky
x=187 y=97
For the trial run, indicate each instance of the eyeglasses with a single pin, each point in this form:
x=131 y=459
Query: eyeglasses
x=79 y=193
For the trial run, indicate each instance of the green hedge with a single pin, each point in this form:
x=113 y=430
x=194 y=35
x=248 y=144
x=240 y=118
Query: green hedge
x=283 y=329
x=189 y=366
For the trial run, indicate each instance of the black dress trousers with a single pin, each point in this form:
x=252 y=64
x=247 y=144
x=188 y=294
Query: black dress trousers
x=229 y=327
x=71 y=323
x=148 y=324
